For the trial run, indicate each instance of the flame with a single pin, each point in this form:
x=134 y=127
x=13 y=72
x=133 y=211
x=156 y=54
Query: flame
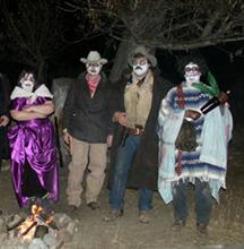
x=24 y=227
x=27 y=229
x=36 y=210
x=49 y=220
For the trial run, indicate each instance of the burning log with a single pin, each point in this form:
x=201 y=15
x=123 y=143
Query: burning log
x=15 y=223
x=34 y=223
x=47 y=219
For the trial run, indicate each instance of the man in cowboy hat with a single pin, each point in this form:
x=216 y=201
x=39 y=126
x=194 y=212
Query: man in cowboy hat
x=86 y=128
x=135 y=144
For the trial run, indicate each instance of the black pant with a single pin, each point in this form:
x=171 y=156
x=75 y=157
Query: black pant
x=203 y=201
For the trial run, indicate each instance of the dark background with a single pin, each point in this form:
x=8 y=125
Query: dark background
x=224 y=63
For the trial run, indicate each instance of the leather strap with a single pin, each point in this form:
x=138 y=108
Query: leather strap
x=180 y=96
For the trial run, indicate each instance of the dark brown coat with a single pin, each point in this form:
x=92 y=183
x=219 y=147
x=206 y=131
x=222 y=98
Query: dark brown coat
x=88 y=119
x=145 y=165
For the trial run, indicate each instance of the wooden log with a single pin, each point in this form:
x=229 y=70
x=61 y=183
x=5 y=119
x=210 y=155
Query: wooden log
x=15 y=225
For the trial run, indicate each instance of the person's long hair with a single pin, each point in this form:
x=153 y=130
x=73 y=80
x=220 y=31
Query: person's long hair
x=195 y=58
x=23 y=73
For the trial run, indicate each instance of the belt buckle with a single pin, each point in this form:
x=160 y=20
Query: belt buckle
x=137 y=133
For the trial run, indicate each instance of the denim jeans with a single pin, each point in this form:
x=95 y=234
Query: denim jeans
x=203 y=201
x=123 y=164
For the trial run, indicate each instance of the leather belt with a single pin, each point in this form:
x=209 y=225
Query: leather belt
x=130 y=131
x=135 y=131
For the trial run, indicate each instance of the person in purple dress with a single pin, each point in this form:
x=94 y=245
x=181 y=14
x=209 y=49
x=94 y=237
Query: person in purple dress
x=34 y=165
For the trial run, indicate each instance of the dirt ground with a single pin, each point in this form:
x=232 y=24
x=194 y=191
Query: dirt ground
x=226 y=229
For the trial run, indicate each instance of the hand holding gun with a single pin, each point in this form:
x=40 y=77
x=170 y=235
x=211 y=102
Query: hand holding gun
x=125 y=135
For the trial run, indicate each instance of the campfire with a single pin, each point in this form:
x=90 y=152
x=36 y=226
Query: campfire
x=37 y=224
x=41 y=227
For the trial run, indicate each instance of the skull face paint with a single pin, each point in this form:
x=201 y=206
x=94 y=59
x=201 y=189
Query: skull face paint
x=27 y=82
x=192 y=73
x=140 y=66
x=93 y=68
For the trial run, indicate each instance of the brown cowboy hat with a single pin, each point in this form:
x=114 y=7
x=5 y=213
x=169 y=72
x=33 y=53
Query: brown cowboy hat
x=144 y=52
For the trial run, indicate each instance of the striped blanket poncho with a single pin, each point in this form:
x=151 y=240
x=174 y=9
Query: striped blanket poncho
x=208 y=161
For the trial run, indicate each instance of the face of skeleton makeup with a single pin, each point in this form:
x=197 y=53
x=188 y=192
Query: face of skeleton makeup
x=27 y=82
x=140 y=66
x=93 y=68
x=192 y=73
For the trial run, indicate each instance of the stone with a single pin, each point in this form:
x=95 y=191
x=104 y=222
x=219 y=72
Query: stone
x=3 y=227
x=62 y=220
x=14 y=221
x=3 y=237
x=38 y=243
x=41 y=231
x=65 y=236
x=50 y=240
x=72 y=227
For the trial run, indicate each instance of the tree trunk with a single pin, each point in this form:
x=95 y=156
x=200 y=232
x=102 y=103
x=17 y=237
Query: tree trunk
x=40 y=71
x=121 y=59
x=60 y=88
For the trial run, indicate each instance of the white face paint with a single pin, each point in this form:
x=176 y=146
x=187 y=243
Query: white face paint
x=192 y=73
x=93 y=68
x=140 y=66
x=27 y=82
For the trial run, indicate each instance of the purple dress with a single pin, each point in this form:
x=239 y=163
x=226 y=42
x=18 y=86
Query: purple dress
x=33 y=155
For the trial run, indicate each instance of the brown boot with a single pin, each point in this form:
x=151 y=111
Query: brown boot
x=202 y=228
x=144 y=217
x=113 y=215
x=178 y=225
x=93 y=205
x=73 y=208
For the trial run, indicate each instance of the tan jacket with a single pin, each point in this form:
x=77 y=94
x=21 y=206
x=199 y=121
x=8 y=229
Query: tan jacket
x=138 y=100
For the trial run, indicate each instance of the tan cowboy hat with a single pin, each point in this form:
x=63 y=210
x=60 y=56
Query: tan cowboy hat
x=94 y=57
x=145 y=52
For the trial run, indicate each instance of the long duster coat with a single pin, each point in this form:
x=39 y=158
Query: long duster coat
x=144 y=171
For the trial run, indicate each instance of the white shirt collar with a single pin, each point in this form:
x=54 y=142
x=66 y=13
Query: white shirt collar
x=41 y=91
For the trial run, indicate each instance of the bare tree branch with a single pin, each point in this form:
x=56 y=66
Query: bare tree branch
x=33 y=31
x=168 y=24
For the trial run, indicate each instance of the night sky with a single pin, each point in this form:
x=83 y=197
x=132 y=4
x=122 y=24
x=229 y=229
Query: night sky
x=228 y=71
